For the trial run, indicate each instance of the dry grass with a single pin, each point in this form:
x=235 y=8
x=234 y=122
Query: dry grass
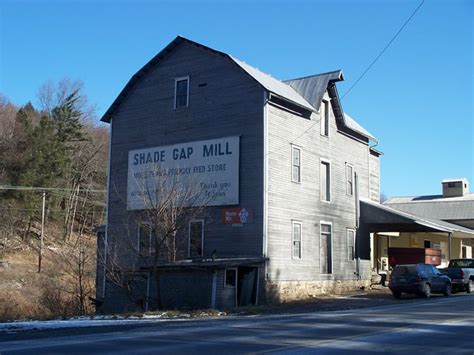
x=27 y=294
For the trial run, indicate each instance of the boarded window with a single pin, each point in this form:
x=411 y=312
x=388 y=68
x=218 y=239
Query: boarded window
x=296 y=240
x=325 y=181
x=325 y=118
x=296 y=164
x=350 y=244
x=196 y=234
x=181 y=92
x=326 y=249
x=349 y=180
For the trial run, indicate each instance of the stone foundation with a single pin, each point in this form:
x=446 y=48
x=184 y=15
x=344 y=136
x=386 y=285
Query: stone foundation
x=284 y=291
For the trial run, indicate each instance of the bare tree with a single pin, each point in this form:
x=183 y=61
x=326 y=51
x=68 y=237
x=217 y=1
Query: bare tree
x=76 y=261
x=156 y=234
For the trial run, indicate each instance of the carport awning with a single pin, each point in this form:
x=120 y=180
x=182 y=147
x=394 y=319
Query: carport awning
x=380 y=218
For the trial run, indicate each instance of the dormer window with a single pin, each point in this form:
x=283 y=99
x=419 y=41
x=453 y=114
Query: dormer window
x=324 y=118
x=181 y=92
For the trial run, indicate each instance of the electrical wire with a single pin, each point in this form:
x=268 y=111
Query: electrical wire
x=384 y=49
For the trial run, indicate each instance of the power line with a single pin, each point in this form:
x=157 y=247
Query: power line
x=34 y=188
x=384 y=49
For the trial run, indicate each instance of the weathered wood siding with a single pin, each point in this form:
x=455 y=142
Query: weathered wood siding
x=289 y=201
x=230 y=104
x=374 y=176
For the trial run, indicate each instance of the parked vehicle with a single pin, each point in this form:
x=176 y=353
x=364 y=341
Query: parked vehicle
x=421 y=279
x=461 y=273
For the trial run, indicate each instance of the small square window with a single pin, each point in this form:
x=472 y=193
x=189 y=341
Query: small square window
x=230 y=278
x=181 y=93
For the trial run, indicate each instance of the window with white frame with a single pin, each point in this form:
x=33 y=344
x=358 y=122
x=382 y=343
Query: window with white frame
x=325 y=118
x=196 y=238
x=296 y=239
x=145 y=241
x=325 y=248
x=349 y=179
x=325 y=187
x=181 y=92
x=295 y=164
x=350 y=244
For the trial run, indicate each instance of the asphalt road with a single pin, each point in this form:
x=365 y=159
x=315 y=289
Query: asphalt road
x=436 y=325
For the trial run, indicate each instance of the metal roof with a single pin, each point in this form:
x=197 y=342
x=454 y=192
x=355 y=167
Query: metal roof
x=352 y=124
x=306 y=92
x=313 y=87
x=454 y=180
x=437 y=206
x=274 y=85
x=409 y=218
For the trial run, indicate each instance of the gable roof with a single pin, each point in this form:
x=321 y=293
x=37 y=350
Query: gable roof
x=313 y=87
x=274 y=85
x=391 y=217
x=305 y=92
x=436 y=206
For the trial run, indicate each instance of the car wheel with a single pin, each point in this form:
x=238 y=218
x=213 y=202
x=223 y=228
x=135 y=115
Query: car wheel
x=447 y=289
x=470 y=286
x=397 y=294
x=426 y=291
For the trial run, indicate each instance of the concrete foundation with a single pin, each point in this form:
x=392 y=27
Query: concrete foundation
x=285 y=291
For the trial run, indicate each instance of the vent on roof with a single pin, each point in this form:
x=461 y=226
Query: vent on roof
x=455 y=187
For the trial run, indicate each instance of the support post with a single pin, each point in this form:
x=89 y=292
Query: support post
x=449 y=245
x=40 y=256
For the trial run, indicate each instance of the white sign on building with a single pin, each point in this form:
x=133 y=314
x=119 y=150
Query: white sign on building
x=207 y=172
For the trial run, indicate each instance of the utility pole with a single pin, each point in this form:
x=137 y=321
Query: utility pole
x=40 y=257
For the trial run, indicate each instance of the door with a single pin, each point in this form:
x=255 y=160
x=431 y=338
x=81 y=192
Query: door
x=247 y=286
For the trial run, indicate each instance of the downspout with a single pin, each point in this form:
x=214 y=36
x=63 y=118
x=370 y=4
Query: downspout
x=357 y=222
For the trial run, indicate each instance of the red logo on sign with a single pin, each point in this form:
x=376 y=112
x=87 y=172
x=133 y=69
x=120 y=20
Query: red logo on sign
x=237 y=215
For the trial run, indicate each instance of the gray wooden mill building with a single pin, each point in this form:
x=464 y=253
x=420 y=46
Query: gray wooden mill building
x=282 y=166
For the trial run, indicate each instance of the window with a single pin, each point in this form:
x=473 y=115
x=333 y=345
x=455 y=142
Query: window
x=196 y=238
x=230 y=278
x=350 y=244
x=325 y=118
x=295 y=164
x=427 y=243
x=349 y=180
x=325 y=248
x=325 y=181
x=145 y=241
x=181 y=92
x=296 y=240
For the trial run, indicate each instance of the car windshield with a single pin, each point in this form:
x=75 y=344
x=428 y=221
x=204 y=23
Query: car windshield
x=462 y=263
x=404 y=270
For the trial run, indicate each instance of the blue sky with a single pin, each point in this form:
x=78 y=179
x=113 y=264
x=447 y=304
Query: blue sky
x=417 y=99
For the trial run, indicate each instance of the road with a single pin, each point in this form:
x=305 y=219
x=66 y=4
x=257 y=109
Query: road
x=436 y=325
